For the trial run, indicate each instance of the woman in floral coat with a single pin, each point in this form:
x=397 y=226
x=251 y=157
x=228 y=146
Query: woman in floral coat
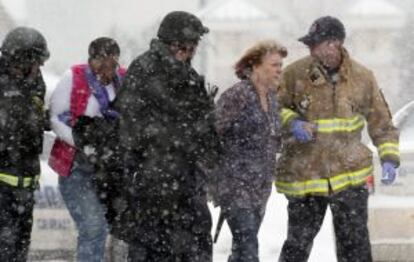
x=248 y=124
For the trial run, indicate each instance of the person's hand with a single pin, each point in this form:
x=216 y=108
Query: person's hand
x=89 y=150
x=91 y=154
x=212 y=91
x=84 y=131
x=302 y=131
x=389 y=173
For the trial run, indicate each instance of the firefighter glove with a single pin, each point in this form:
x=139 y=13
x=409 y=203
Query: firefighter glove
x=302 y=131
x=389 y=173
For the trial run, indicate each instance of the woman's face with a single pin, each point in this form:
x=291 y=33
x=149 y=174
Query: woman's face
x=269 y=71
x=105 y=68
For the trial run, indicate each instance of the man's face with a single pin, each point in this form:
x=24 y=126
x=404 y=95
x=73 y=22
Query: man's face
x=328 y=53
x=105 y=68
x=28 y=70
x=184 y=51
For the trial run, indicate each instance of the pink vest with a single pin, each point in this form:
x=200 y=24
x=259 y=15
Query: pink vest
x=62 y=154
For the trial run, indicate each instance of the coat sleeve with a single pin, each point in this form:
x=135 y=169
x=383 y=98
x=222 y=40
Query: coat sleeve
x=59 y=104
x=383 y=133
x=284 y=94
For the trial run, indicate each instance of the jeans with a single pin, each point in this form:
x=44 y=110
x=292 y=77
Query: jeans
x=80 y=196
x=244 y=225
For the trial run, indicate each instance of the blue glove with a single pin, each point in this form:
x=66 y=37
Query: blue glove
x=299 y=131
x=389 y=172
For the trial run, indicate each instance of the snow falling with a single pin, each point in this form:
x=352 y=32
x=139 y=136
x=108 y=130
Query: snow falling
x=125 y=133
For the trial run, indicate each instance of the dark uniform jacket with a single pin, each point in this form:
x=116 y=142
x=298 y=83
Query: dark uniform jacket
x=165 y=131
x=22 y=123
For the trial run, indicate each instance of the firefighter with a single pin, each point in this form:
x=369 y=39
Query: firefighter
x=327 y=97
x=22 y=122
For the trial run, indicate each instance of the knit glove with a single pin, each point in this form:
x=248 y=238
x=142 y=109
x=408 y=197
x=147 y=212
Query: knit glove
x=389 y=173
x=302 y=130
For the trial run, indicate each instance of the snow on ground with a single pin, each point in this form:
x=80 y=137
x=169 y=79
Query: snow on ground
x=273 y=233
x=387 y=201
x=274 y=227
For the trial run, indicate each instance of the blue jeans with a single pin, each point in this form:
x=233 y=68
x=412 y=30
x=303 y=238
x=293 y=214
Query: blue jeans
x=80 y=196
x=244 y=225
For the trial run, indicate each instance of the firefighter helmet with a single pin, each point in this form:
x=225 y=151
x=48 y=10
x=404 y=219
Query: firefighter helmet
x=25 y=44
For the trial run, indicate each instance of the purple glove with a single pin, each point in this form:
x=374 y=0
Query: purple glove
x=389 y=172
x=300 y=132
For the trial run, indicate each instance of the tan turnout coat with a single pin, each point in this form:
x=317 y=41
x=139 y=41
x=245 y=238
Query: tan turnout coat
x=336 y=159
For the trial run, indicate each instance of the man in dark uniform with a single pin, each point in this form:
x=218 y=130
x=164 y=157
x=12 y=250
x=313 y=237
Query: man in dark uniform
x=166 y=132
x=22 y=122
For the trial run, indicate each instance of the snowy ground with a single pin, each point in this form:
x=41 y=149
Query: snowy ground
x=273 y=233
x=274 y=229
x=271 y=236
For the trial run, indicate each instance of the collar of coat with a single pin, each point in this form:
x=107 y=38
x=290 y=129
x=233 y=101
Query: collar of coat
x=35 y=87
x=318 y=75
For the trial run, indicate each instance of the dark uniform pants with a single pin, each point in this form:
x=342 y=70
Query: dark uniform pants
x=349 y=210
x=184 y=238
x=16 y=218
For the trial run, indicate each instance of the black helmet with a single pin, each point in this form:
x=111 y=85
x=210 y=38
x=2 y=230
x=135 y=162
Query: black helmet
x=25 y=44
x=182 y=27
x=324 y=28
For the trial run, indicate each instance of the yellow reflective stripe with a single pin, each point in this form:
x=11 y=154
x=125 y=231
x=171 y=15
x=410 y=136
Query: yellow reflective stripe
x=336 y=120
x=328 y=125
x=343 y=128
x=321 y=186
x=303 y=188
x=14 y=180
x=389 y=152
x=321 y=191
x=351 y=178
x=310 y=183
x=340 y=124
x=388 y=144
x=287 y=114
x=388 y=148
